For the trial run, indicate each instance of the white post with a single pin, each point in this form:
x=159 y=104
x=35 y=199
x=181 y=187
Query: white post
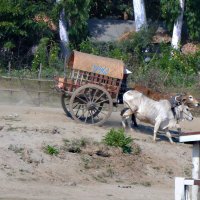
x=9 y=68
x=63 y=33
x=187 y=192
x=195 y=169
x=140 y=14
x=40 y=71
x=179 y=188
x=176 y=37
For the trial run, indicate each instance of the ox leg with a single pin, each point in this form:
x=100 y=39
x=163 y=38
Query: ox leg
x=169 y=136
x=124 y=122
x=178 y=128
x=134 y=120
x=156 y=127
x=126 y=118
x=129 y=122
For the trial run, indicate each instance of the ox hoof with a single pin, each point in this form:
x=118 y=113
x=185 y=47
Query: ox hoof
x=172 y=142
x=132 y=130
x=155 y=140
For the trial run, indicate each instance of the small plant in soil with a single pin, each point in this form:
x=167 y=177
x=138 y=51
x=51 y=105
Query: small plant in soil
x=118 y=138
x=75 y=145
x=51 y=150
x=16 y=149
x=146 y=184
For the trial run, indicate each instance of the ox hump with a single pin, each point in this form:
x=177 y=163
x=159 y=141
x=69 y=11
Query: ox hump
x=133 y=93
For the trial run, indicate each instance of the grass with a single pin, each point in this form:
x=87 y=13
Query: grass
x=75 y=145
x=16 y=148
x=86 y=161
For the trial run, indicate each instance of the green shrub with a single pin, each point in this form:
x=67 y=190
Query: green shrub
x=166 y=68
x=118 y=138
x=51 y=150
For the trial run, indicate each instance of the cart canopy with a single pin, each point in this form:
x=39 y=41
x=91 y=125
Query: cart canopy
x=96 y=64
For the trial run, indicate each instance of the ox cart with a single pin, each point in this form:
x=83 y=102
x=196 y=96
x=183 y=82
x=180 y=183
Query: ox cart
x=92 y=86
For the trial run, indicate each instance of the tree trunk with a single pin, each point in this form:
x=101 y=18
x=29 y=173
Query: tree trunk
x=140 y=14
x=176 y=37
x=64 y=40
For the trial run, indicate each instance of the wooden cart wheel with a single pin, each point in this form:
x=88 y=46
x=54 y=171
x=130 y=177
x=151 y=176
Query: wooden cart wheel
x=65 y=104
x=91 y=104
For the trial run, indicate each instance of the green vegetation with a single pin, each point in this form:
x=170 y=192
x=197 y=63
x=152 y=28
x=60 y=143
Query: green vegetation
x=77 y=14
x=118 y=138
x=164 y=69
x=51 y=150
x=26 y=24
x=171 y=9
x=29 y=38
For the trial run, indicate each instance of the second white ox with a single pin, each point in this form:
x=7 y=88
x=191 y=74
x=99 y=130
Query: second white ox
x=157 y=113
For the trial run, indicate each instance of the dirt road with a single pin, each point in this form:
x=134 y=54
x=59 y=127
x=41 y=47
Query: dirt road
x=27 y=172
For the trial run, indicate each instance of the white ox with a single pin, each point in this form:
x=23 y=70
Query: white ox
x=157 y=113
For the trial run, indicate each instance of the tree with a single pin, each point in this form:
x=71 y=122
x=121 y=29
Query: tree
x=20 y=30
x=77 y=15
x=175 y=11
x=176 y=37
x=140 y=14
x=192 y=19
x=64 y=39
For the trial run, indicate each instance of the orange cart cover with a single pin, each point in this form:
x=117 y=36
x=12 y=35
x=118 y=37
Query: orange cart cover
x=97 y=64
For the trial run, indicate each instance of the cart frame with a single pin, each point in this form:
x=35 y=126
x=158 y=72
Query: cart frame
x=92 y=84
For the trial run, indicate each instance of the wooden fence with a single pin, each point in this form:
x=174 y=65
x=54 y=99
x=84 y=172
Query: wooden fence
x=28 y=91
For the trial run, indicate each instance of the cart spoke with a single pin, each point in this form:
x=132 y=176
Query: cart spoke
x=94 y=94
x=91 y=104
x=77 y=110
x=99 y=97
x=75 y=106
x=97 y=114
x=79 y=105
x=105 y=100
x=81 y=99
x=100 y=107
x=89 y=94
x=86 y=97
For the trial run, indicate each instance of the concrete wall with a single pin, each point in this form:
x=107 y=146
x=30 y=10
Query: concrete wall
x=109 y=29
x=28 y=92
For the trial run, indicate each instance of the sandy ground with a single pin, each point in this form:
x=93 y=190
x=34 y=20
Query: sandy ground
x=27 y=172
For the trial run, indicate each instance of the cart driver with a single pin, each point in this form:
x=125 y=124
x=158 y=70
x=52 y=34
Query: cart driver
x=124 y=87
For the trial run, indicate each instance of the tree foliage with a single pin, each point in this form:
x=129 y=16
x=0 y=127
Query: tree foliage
x=111 y=8
x=77 y=14
x=192 y=17
x=25 y=23
x=171 y=10
x=19 y=29
x=18 y=20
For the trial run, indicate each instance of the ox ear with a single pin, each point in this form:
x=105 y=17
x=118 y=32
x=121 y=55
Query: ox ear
x=183 y=100
x=179 y=98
